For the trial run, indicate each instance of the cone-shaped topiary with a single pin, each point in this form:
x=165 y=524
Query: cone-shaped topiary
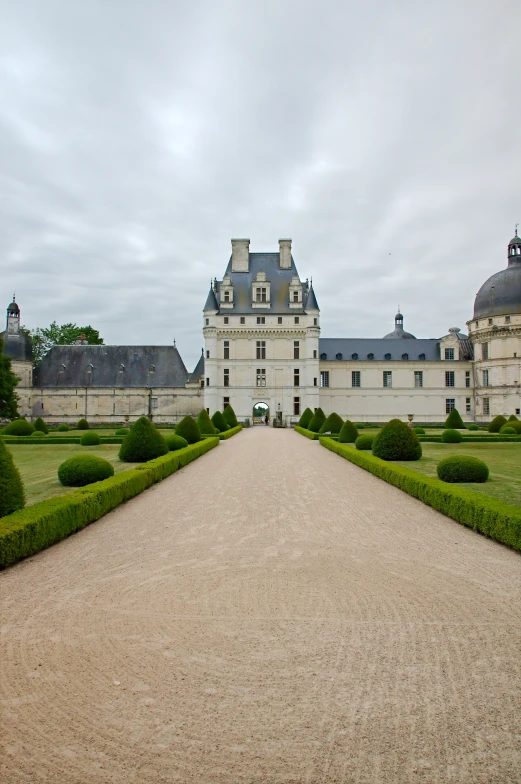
x=82 y=425
x=317 y=421
x=454 y=421
x=396 y=441
x=82 y=470
x=63 y=428
x=333 y=424
x=175 y=442
x=364 y=442
x=462 y=468
x=306 y=418
x=205 y=424
x=90 y=439
x=12 y=495
x=41 y=426
x=142 y=443
x=451 y=437
x=348 y=433
x=512 y=418
x=229 y=416
x=220 y=422
x=187 y=429
x=496 y=424
x=19 y=427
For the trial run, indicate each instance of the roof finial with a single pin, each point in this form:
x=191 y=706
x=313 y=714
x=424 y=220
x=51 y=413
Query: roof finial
x=174 y=342
x=517 y=224
x=14 y=294
x=202 y=351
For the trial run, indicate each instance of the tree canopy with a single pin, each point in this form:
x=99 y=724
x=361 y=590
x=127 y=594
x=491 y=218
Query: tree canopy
x=8 y=382
x=44 y=338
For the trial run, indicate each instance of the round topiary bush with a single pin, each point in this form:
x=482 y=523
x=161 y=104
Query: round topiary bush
x=187 y=429
x=82 y=425
x=229 y=416
x=507 y=430
x=348 y=433
x=364 y=442
x=360 y=425
x=462 y=468
x=90 y=439
x=333 y=425
x=121 y=431
x=516 y=426
x=38 y=434
x=12 y=495
x=496 y=424
x=317 y=420
x=205 y=424
x=174 y=442
x=63 y=428
x=41 y=426
x=396 y=441
x=451 y=437
x=419 y=431
x=142 y=443
x=472 y=427
x=454 y=420
x=306 y=418
x=219 y=422
x=82 y=470
x=19 y=427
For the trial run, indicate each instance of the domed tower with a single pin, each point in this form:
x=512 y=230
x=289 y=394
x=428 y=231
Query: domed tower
x=398 y=333
x=495 y=331
x=18 y=346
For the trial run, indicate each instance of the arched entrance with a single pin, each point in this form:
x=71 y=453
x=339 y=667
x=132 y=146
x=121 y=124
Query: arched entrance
x=260 y=412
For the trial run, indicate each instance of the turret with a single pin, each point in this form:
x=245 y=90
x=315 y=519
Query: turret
x=13 y=318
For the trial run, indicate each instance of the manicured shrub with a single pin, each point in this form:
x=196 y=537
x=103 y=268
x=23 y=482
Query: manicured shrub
x=472 y=427
x=512 y=418
x=305 y=419
x=229 y=417
x=19 y=427
x=12 y=495
x=205 y=424
x=82 y=470
x=82 y=425
x=348 y=433
x=307 y=433
x=174 y=442
x=516 y=426
x=317 y=420
x=454 y=420
x=506 y=430
x=220 y=422
x=63 y=428
x=333 y=424
x=121 y=431
x=41 y=426
x=187 y=429
x=364 y=442
x=396 y=441
x=142 y=443
x=360 y=425
x=419 y=431
x=451 y=437
x=38 y=434
x=496 y=424
x=462 y=468
x=90 y=439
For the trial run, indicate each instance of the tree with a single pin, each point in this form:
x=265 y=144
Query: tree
x=8 y=382
x=44 y=338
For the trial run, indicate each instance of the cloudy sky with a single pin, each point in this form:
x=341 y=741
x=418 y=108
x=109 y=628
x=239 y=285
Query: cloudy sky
x=137 y=138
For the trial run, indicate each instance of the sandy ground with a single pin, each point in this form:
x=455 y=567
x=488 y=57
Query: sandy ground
x=269 y=614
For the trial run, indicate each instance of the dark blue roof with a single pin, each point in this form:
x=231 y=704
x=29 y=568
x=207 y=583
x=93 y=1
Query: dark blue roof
x=379 y=347
x=198 y=370
x=211 y=302
x=311 y=302
x=279 y=280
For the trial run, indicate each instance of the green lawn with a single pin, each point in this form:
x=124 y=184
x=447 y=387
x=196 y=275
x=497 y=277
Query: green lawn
x=503 y=460
x=38 y=466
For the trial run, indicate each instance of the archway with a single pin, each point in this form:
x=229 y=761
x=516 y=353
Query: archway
x=260 y=412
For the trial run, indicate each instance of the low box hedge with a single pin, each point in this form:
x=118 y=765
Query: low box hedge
x=489 y=516
x=477 y=439
x=58 y=439
x=30 y=530
x=231 y=432
x=308 y=433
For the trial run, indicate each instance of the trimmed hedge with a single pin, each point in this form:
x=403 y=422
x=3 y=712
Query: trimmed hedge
x=82 y=425
x=90 y=439
x=41 y=426
x=493 y=518
x=63 y=428
x=121 y=431
x=174 y=442
x=317 y=421
x=496 y=424
x=396 y=441
x=43 y=439
x=229 y=416
x=472 y=427
x=306 y=418
x=187 y=429
x=205 y=424
x=451 y=437
x=348 y=433
x=462 y=468
x=82 y=470
x=506 y=430
x=12 y=496
x=30 y=530
x=333 y=424
x=219 y=422
x=229 y=433
x=516 y=426
x=364 y=442
x=18 y=427
x=512 y=418
x=37 y=434
x=454 y=421
x=308 y=433
x=419 y=431
x=143 y=442
x=478 y=439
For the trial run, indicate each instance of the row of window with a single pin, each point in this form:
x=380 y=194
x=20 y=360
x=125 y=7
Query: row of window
x=356 y=378
x=491 y=321
x=261 y=320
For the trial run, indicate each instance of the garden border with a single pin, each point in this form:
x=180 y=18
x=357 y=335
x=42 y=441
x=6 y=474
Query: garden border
x=308 y=433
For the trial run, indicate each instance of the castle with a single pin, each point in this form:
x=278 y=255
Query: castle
x=262 y=344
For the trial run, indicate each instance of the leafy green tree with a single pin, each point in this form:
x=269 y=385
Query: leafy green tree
x=219 y=422
x=189 y=430
x=8 y=382
x=44 y=338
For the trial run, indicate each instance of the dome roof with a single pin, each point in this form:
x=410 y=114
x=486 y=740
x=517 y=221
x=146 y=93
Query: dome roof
x=500 y=295
x=398 y=332
x=13 y=307
x=18 y=346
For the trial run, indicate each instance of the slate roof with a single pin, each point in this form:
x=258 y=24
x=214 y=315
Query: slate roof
x=211 y=302
x=500 y=295
x=198 y=370
x=311 y=302
x=18 y=347
x=379 y=347
x=112 y=366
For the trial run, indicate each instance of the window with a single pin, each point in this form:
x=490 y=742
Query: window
x=387 y=356
x=296 y=349
x=226 y=349
x=261 y=377
x=226 y=377
x=226 y=402
x=314 y=353
x=467 y=378
x=485 y=378
x=354 y=356
x=490 y=322
x=450 y=404
x=296 y=406
x=314 y=382
x=207 y=382
x=388 y=378
x=295 y=296
x=297 y=320
x=226 y=296
x=484 y=351
x=243 y=320
x=207 y=410
x=507 y=319
x=518 y=410
x=323 y=356
x=226 y=320
x=355 y=378
x=370 y=356
x=207 y=354
x=486 y=406
x=421 y=357
x=202 y=383
x=261 y=349
x=261 y=319
x=418 y=378
x=449 y=353
x=468 y=407
x=449 y=378
x=296 y=377
x=153 y=402
x=338 y=356
x=324 y=378
x=260 y=295
x=405 y=356
x=207 y=321
x=315 y=322
x=279 y=320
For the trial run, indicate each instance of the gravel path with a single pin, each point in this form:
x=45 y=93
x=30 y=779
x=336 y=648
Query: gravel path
x=269 y=614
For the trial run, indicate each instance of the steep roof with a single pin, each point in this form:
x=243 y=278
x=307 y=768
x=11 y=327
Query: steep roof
x=379 y=347
x=278 y=278
x=17 y=346
x=198 y=370
x=211 y=302
x=311 y=302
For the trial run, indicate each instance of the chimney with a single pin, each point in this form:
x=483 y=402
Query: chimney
x=285 y=254
x=240 y=255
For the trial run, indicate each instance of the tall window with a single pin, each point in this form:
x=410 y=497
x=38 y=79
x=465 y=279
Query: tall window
x=226 y=320
x=207 y=354
x=507 y=319
x=296 y=406
x=226 y=377
x=315 y=382
x=315 y=322
x=296 y=377
x=279 y=320
x=226 y=349
x=468 y=406
x=490 y=322
x=449 y=378
x=226 y=402
x=467 y=378
x=261 y=319
x=486 y=406
x=261 y=377
x=485 y=378
x=449 y=353
x=260 y=295
x=450 y=404
x=226 y=296
x=207 y=321
x=261 y=349
x=418 y=378
x=202 y=383
x=324 y=378
x=297 y=320
x=207 y=382
x=314 y=353
x=243 y=320
x=296 y=349
x=388 y=378
x=484 y=351
x=295 y=296
x=154 y=402
x=355 y=378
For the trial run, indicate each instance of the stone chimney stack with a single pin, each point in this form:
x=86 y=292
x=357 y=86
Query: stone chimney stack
x=285 y=254
x=240 y=255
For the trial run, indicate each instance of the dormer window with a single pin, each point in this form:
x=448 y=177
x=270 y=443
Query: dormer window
x=260 y=292
x=370 y=356
x=295 y=296
x=387 y=356
x=226 y=296
x=339 y=356
x=354 y=356
x=405 y=356
x=260 y=295
x=323 y=356
x=152 y=369
x=421 y=357
x=295 y=292
x=226 y=292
